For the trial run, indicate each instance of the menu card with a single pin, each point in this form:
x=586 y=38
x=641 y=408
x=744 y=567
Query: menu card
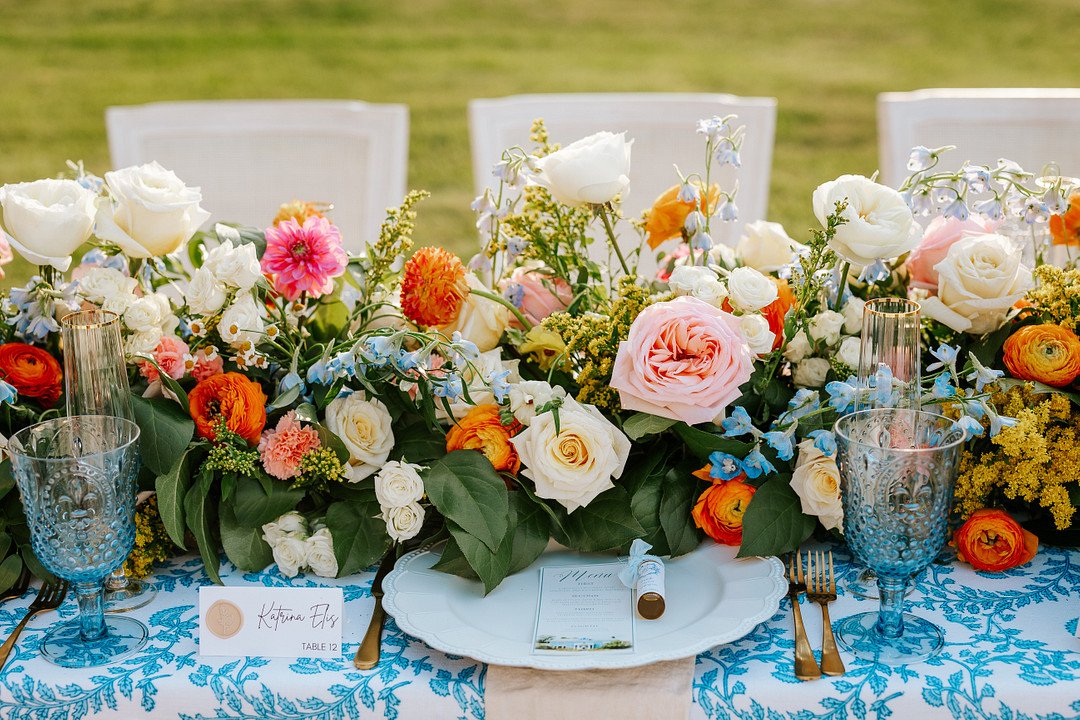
x=583 y=608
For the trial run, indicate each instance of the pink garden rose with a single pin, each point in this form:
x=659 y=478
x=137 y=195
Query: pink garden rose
x=540 y=294
x=304 y=258
x=170 y=354
x=684 y=359
x=940 y=235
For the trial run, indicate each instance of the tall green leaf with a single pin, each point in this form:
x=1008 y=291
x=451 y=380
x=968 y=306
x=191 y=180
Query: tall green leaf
x=702 y=443
x=242 y=544
x=490 y=566
x=417 y=443
x=465 y=488
x=171 y=489
x=166 y=432
x=644 y=480
x=679 y=491
x=199 y=516
x=774 y=523
x=453 y=562
x=641 y=425
x=607 y=523
x=254 y=506
x=531 y=531
x=360 y=537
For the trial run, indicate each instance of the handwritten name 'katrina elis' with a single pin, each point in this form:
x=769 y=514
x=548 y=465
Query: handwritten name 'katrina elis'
x=272 y=616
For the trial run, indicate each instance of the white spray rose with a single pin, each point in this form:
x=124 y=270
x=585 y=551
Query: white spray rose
x=45 y=221
x=365 y=428
x=765 y=246
x=699 y=282
x=879 y=223
x=205 y=294
x=826 y=326
x=403 y=523
x=723 y=255
x=320 y=554
x=853 y=315
x=290 y=554
x=237 y=266
x=592 y=170
x=849 y=352
x=529 y=395
x=811 y=372
x=242 y=322
x=101 y=284
x=144 y=315
x=797 y=348
x=481 y=320
x=290 y=523
x=399 y=483
x=142 y=343
x=749 y=290
x=759 y=336
x=816 y=480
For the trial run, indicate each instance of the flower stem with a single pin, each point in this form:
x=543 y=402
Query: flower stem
x=841 y=283
x=611 y=236
x=506 y=303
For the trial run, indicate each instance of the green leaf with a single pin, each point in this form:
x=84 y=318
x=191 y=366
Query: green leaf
x=490 y=566
x=285 y=399
x=332 y=441
x=774 y=522
x=679 y=492
x=644 y=478
x=465 y=488
x=641 y=425
x=34 y=564
x=198 y=512
x=417 y=443
x=307 y=413
x=166 y=432
x=254 y=507
x=702 y=443
x=452 y=562
x=531 y=532
x=171 y=489
x=7 y=478
x=987 y=348
x=360 y=537
x=171 y=384
x=607 y=523
x=242 y=544
x=10 y=570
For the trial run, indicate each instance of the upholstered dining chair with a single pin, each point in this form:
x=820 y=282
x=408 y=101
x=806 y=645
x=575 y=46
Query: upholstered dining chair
x=663 y=127
x=1032 y=126
x=250 y=156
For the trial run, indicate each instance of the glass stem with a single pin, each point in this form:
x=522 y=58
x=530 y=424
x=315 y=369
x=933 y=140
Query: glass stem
x=891 y=616
x=117 y=580
x=91 y=610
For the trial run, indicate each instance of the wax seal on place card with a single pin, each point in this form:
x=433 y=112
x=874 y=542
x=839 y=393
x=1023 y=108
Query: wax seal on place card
x=270 y=622
x=224 y=619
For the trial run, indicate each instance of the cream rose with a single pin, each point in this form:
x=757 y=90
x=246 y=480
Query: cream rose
x=577 y=463
x=699 y=282
x=205 y=295
x=811 y=372
x=320 y=554
x=481 y=320
x=759 y=337
x=527 y=396
x=853 y=315
x=242 y=322
x=404 y=523
x=144 y=315
x=399 y=483
x=826 y=326
x=101 y=284
x=290 y=554
x=749 y=290
x=765 y=246
x=797 y=348
x=592 y=170
x=879 y=223
x=235 y=266
x=142 y=343
x=151 y=213
x=290 y=522
x=365 y=428
x=849 y=352
x=816 y=480
x=45 y=221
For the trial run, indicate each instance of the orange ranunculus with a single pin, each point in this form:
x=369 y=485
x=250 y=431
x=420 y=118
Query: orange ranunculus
x=433 y=287
x=482 y=429
x=1065 y=229
x=668 y=214
x=775 y=311
x=719 y=510
x=32 y=371
x=991 y=540
x=298 y=210
x=1045 y=353
x=232 y=396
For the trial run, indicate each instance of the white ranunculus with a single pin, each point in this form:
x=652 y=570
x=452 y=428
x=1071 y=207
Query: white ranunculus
x=853 y=315
x=399 y=483
x=592 y=170
x=237 y=266
x=365 y=428
x=699 y=282
x=759 y=336
x=403 y=523
x=475 y=378
x=45 y=221
x=101 y=284
x=879 y=223
x=797 y=348
x=811 y=372
x=320 y=554
x=290 y=522
x=826 y=325
x=749 y=290
x=242 y=322
x=527 y=396
x=577 y=463
x=290 y=554
x=849 y=352
x=765 y=246
x=205 y=294
x=144 y=315
x=979 y=280
x=151 y=213
x=481 y=320
x=142 y=343
x=816 y=480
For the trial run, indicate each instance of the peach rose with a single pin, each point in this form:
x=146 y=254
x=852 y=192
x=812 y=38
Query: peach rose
x=170 y=355
x=991 y=540
x=719 y=510
x=940 y=235
x=1044 y=353
x=684 y=359
x=668 y=214
x=541 y=294
x=482 y=429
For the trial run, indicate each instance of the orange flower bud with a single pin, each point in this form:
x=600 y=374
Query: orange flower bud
x=668 y=214
x=991 y=540
x=719 y=510
x=482 y=429
x=1045 y=353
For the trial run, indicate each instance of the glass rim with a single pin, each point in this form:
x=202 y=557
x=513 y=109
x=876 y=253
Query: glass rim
x=871 y=306
x=880 y=411
x=16 y=444
x=69 y=321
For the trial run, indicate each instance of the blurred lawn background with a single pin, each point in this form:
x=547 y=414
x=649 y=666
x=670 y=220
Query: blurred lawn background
x=64 y=61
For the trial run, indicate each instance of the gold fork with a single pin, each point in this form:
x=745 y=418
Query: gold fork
x=806 y=668
x=821 y=588
x=49 y=597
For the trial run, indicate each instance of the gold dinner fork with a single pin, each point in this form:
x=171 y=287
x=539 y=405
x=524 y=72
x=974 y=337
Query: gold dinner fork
x=49 y=597
x=806 y=668
x=821 y=588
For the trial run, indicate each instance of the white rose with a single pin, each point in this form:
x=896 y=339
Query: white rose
x=749 y=290
x=723 y=255
x=205 y=295
x=979 y=280
x=481 y=320
x=119 y=303
x=816 y=480
x=403 y=523
x=320 y=554
x=826 y=326
x=289 y=523
x=811 y=372
x=879 y=223
x=143 y=343
x=699 y=282
x=151 y=213
x=529 y=395
x=144 y=315
x=853 y=315
x=592 y=170
x=241 y=323
x=101 y=284
x=290 y=554
x=365 y=428
x=576 y=464
x=46 y=220
x=849 y=352
x=765 y=246
x=475 y=378
x=759 y=336
x=797 y=348
x=235 y=266
x=399 y=483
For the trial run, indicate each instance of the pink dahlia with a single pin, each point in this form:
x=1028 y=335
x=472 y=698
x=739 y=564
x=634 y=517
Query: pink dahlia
x=304 y=258
x=282 y=448
x=171 y=355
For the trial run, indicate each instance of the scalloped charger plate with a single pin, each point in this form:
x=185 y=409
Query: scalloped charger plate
x=712 y=598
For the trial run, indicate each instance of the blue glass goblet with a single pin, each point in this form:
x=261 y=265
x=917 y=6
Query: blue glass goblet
x=77 y=476
x=897 y=473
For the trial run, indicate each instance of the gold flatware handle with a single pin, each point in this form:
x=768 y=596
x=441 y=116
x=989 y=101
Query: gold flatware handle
x=806 y=668
x=9 y=644
x=831 y=663
x=367 y=656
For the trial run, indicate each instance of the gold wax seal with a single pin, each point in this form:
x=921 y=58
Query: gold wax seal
x=224 y=619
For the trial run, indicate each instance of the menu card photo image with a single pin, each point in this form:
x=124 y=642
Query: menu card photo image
x=584 y=608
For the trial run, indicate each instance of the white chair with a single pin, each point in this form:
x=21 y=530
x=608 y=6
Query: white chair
x=663 y=127
x=250 y=156
x=1032 y=126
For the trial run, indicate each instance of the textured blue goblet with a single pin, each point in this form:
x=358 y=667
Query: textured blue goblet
x=897 y=472
x=77 y=476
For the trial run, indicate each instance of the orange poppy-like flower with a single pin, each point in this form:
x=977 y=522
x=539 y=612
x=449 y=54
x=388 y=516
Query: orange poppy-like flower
x=991 y=540
x=1044 y=353
x=433 y=287
x=482 y=429
x=232 y=396
x=719 y=510
x=1065 y=228
x=775 y=311
x=668 y=214
x=298 y=210
x=32 y=371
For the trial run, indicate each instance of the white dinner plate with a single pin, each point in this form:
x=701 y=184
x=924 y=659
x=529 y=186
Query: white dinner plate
x=712 y=598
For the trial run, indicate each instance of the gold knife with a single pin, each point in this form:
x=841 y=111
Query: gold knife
x=367 y=656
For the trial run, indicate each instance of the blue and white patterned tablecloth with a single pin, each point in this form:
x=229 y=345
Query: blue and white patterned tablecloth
x=1010 y=653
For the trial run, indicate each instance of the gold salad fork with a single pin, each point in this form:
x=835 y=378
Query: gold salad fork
x=49 y=597
x=806 y=668
x=821 y=588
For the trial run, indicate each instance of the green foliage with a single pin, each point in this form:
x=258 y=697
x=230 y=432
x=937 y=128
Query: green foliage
x=774 y=523
x=470 y=494
x=605 y=524
x=359 y=533
x=641 y=425
x=166 y=432
x=703 y=443
x=243 y=544
x=200 y=516
x=172 y=488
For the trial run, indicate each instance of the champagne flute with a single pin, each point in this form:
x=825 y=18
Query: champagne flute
x=96 y=383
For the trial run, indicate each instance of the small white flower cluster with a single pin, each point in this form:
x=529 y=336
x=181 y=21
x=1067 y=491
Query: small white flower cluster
x=146 y=317
x=832 y=334
x=295 y=548
x=399 y=489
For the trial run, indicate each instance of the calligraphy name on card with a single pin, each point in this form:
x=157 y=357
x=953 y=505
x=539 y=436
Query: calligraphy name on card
x=270 y=622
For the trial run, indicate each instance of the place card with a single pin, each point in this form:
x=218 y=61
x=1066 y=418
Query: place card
x=583 y=609
x=270 y=622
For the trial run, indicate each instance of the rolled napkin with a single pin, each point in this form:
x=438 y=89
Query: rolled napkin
x=645 y=573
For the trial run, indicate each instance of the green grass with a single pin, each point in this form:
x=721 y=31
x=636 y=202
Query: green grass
x=62 y=63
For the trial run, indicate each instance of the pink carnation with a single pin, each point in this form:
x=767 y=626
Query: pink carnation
x=684 y=359
x=941 y=234
x=171 y=355
x=541 y=294
x=282 y=448
x=207 y=363
x=304 y=258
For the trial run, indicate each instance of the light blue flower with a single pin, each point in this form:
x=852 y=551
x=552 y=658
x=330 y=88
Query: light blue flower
x=342 y=365
x=990 y=208
x=8 y=393
x=970 y=426
x=463 y=350
x=724 y=466
x=694 y=221
x=755 y=464
x=842 y=395
x=943 y=389
x=449 y=388
x=738 y=423
x=825 y=441
x=319 y=374
x=688 y=193
x=701 y=240
x=499 y=387
x=982 y=375
x=881 y=392
x=728 y=211
x=515 y=293
x=407 y=360
x=780 y=441
x=875 y=272
x=946 y=357
x=1035 y=211
x=515 y=246
x=290 y=381
x=1000 y=422
x=806 y=401
x=977 y=178
x=727 y=153
x=921 y=158
x=956 y=209
x=380 y=350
